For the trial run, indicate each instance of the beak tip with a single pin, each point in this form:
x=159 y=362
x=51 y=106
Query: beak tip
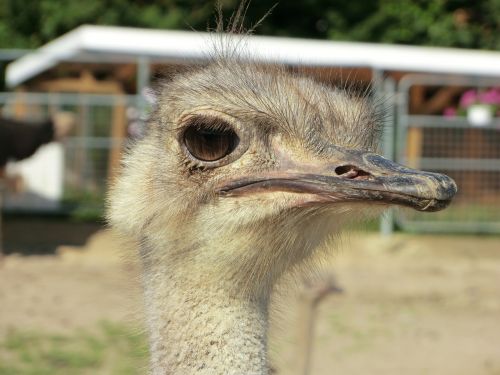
x=445 y=190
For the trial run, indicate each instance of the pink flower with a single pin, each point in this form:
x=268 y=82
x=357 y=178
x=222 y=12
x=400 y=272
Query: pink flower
x=468 y=98
x=492 y=96
x=450 y=112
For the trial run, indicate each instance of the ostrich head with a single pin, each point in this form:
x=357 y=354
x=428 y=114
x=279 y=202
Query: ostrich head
x=260 y=166
x=246 y=173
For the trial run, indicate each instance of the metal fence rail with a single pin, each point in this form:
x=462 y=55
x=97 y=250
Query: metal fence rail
x=89 y=150
x=468 y=154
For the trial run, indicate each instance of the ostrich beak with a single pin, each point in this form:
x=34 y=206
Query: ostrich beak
x=350 y=176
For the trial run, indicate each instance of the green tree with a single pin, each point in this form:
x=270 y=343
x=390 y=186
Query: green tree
x=30 y=23
x=454 y=23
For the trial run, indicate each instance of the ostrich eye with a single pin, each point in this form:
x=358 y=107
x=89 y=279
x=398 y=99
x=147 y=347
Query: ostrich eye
x=210 y=139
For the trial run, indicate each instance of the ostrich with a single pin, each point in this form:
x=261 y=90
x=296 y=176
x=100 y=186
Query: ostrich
x=246 y=175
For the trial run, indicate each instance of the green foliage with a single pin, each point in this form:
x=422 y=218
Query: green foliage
x=439 y=22
x=30 y=23
x=113 y=349
x=84 y=205
x=457 y=23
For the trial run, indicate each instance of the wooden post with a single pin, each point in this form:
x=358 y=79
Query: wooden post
x=307 y=315
x=118 y=135
x=415 y=135
x=311 y=296
x=20 y=108
x=414 y=149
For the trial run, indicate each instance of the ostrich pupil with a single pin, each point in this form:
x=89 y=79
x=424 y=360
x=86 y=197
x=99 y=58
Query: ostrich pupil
x=210 y=144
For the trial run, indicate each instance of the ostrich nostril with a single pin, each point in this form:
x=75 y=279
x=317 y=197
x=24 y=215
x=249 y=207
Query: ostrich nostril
x=352 y=172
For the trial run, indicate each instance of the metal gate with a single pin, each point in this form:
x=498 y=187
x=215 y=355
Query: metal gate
x=89 y=153
x=467 y=152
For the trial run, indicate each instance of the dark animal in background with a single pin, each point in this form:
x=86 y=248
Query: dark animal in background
x=20 y=139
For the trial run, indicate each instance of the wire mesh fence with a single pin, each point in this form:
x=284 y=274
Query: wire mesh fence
x=467 y=152
x=90 y=153
x=470 y=155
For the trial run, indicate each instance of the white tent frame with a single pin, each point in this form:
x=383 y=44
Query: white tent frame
x=121 y=44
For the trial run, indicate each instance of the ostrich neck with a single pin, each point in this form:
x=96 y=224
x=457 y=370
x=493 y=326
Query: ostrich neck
x=200 y=327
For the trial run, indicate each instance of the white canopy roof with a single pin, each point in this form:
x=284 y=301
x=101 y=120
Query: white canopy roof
x=121 y=44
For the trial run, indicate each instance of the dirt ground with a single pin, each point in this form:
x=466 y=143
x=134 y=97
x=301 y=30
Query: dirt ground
x=411 y=304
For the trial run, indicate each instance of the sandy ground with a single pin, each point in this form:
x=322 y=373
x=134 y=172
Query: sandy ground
x=411 y=304
x=76 y=288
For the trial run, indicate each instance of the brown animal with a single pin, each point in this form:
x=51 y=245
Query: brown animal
x=247 y=174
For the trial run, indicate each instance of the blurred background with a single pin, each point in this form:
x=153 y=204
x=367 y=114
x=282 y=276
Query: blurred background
x=415 y=293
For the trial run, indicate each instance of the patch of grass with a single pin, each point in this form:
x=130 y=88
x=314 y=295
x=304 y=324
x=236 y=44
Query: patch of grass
x=372 y=225
x=112 y=349
x=474 y=213
x=84 y=205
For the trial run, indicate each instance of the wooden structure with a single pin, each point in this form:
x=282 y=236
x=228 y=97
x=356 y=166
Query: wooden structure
x=128 y=57
x=121 y=61
x=84 y=83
